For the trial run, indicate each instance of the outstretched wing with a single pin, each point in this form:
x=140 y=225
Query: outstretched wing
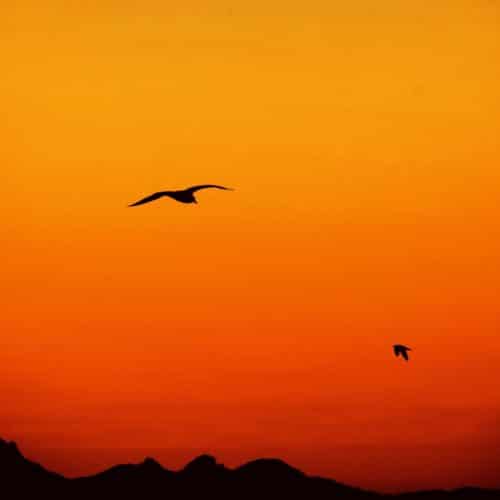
x=150 y=198
x=404 y=353
x=395 y=348
x=193 y=189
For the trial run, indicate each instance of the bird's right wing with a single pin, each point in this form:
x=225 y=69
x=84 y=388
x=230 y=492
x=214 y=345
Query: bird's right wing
x=405 y=354
x=205 y=186
x=148 y=199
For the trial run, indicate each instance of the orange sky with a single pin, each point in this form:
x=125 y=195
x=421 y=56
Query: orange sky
x=362 y=140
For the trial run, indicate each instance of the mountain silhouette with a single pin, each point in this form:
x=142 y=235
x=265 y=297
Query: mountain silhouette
x=202 y=478
x=14 y=468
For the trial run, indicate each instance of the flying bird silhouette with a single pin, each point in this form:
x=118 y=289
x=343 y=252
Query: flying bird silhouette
x=401 y=350
x=183 y=196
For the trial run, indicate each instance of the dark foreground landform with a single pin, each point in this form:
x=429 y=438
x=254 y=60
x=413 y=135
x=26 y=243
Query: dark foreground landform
x=203 y=478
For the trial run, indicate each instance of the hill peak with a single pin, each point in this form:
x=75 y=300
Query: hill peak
x=202 y=464
x=270 y=466
x=9 y=447
x=151 y=463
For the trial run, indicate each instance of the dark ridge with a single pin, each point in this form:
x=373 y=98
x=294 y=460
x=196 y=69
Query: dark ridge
x=202 y=478
x=148 y=466
x=151 y=463
x=9 y=449
x=269 y=467
x=201 y=465
x=464 y=493
x=14 y=467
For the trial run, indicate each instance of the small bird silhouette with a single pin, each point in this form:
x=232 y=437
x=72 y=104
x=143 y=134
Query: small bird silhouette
x=183 y=196
x=401 y=350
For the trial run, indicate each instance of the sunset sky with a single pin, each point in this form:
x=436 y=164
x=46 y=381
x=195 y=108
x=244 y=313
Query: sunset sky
x=362 y=140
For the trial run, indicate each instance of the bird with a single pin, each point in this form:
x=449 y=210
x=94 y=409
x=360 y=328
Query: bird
x=401 y=350
x=182 y=196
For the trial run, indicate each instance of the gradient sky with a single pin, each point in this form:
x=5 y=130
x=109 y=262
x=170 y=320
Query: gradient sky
x=362 y=139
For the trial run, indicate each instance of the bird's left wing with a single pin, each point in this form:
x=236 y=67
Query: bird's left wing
x=150 y=198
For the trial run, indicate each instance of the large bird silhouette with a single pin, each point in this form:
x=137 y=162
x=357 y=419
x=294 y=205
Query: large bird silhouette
x=401 y=350
x=183 y=196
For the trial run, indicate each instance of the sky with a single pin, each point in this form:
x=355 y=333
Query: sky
x=362 y=141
